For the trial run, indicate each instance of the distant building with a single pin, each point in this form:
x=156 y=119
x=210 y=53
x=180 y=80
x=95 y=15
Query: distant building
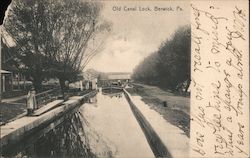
x=89 y=80
x=119 y=76
x=107 y=79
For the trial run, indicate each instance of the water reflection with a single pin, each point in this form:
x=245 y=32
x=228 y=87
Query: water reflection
x=111 y=95
x=113 y=121
x=95 y=129
x=112 y=92
x=68 y=139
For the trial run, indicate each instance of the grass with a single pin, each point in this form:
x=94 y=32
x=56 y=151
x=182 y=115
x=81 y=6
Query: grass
x=177 y=110
x=16 y=109
x=9 y=111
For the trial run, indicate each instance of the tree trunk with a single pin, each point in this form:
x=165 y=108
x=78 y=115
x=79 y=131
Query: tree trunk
x=62 y=85
x=37 y=76
x=37 y=83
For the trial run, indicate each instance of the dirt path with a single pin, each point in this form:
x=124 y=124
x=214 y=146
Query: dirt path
x=179 y=102
x=176 y=111
x=155 y=142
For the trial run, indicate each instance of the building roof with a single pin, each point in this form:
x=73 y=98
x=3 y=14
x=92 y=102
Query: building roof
x=115 y=75
x=8 y=40
x=5 y=72
x=118 y=73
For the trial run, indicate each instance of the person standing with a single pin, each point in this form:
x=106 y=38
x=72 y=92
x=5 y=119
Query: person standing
x=31 y=101
x=66 y=85
x=33 y=93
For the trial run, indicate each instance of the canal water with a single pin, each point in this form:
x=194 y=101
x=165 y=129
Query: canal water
x=103 y=128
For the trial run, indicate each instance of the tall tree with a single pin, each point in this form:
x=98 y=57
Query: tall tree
x=52 y=36
x=170 y=65
x=175 y=56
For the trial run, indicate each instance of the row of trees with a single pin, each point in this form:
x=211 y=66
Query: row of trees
x=168 y=67
x=53 y=37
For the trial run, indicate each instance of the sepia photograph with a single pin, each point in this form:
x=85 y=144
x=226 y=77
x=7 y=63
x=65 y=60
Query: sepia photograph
x=88 y=78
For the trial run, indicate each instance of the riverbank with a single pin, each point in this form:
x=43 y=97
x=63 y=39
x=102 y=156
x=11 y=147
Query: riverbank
x=165 y=139
x=15 y=108
x=176 y=109
x=24 y=127
x=10 y=111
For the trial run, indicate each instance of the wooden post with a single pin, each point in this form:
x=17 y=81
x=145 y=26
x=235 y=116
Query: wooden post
x=24 y=82
x=12 y=81
x=18 y=83
x=3 y=85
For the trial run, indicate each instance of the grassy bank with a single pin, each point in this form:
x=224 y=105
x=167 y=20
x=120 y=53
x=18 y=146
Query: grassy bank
x=11 y=110
x=17 y=108
x=175 y=110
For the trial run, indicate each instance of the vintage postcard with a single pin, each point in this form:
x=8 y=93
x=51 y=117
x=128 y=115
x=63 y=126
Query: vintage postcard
x=124 y=78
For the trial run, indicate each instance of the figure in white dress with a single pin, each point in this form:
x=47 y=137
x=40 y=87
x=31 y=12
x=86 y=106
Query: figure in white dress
x=31 y=101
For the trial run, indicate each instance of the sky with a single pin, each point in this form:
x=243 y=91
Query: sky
x=136 y=34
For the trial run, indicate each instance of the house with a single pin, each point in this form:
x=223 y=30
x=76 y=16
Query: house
x=89 y=80
x=6 y=81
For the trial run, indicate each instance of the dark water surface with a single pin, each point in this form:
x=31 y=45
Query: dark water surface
x=66 y=139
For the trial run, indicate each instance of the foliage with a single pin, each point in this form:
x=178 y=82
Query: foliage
x=170 y=65
x=52 y=36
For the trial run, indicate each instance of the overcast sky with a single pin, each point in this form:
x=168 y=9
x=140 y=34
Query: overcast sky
x=136 y=34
